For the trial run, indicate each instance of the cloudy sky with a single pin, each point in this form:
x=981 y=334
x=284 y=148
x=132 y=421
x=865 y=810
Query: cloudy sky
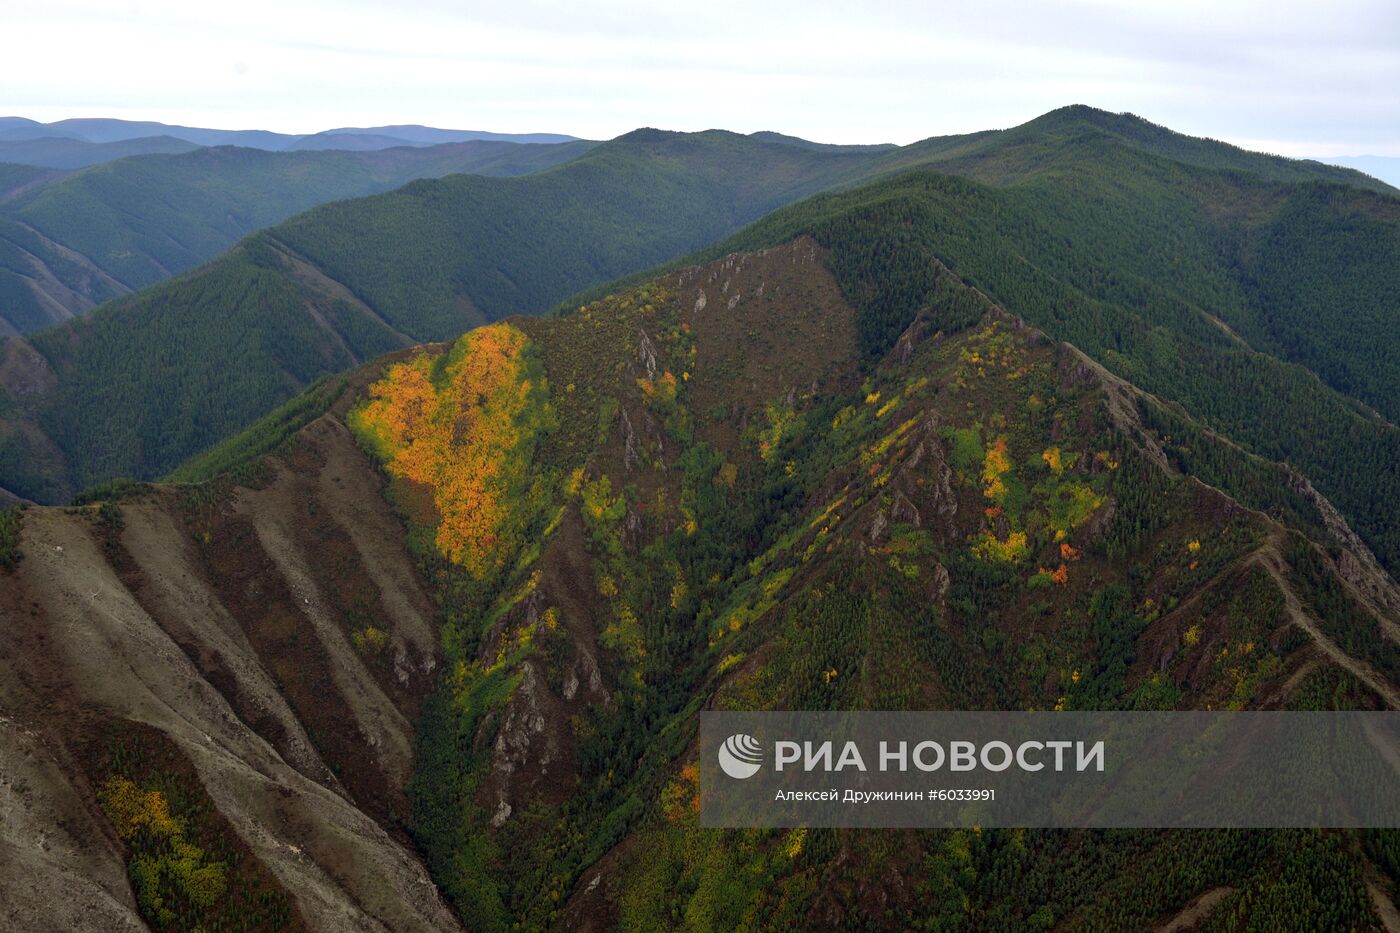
x=1299 y=78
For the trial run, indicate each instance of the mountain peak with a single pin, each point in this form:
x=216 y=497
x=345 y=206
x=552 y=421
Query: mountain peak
x=648 y=134
x=1075 y=116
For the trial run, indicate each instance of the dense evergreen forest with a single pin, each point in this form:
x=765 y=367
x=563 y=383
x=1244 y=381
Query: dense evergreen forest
x=13 y=177
x=190 y=360
x=1134 y=233
x=1201 y=287
x=125 y=224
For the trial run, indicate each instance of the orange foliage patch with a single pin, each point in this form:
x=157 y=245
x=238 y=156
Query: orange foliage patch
x=460 y=433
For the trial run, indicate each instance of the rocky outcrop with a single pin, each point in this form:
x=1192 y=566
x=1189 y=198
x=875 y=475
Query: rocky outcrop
x=646 y=355
x=521 y=736
x=631 y=453
x=1356 y=563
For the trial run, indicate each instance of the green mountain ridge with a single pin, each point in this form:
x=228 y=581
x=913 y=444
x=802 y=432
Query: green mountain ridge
x=1192 y=150
x=73 y=242
x=349 y=281
x=65 y=153
x=1386 y=168
x=435 y=257
x=1218 y=291
x=759 y=482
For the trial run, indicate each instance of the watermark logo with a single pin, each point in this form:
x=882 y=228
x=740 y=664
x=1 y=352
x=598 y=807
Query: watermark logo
x=741 y=756
x=1168 y=770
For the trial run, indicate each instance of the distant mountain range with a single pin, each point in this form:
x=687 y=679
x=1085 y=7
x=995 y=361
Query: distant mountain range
x=345 y=282
x=90 y=141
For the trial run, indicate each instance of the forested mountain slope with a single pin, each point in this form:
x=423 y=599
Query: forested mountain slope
x=17 y=179
x=721 y=488
x=1267 y=310
x=192 y=359
x=707 y=492
x=972 y=157
x=1386 y=168
x=57 y=152
x=77 y=241
x=349 y=280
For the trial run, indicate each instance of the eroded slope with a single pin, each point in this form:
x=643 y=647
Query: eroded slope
x=256 y=656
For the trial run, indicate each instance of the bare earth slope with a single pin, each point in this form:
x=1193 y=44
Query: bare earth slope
x=238 y=658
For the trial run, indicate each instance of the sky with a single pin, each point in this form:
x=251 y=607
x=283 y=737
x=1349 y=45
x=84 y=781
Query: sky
x=1295 y=78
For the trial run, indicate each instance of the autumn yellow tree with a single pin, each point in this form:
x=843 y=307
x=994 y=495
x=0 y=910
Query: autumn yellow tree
x=463 y=427
x=995 y=465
